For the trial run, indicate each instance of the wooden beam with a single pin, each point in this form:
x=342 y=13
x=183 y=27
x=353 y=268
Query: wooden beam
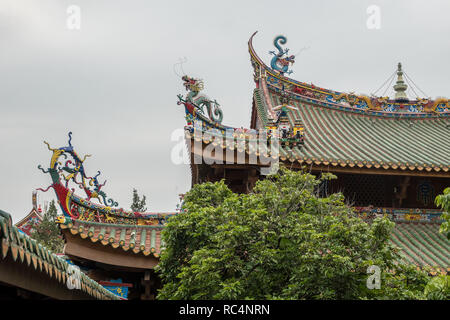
x=147 y=283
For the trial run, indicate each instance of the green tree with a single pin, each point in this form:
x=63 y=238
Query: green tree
x=438 y=288
x=281 y=241
x=47 y=233
x=138 y=204
x=443 y=201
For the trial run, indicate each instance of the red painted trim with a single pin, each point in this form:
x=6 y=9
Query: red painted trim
x=115 y=284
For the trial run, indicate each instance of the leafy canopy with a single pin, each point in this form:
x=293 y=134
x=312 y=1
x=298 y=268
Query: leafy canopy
x=281 y=241
x=138 y=204
x=443 y=201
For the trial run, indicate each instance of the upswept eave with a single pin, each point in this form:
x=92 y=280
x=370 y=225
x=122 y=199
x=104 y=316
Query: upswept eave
x=374 y=106
x=23 y=251
x=137 y=239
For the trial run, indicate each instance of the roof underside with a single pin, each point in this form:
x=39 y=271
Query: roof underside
x=348 y=129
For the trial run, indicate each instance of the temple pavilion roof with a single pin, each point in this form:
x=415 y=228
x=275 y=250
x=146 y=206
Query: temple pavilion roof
x=422 y=244
x=417 y=235
x=335 y=136
x=33 y=261
x=345 y=131
x=137 y=239
x=350 y=130
x=341 y=132
x=28 y=223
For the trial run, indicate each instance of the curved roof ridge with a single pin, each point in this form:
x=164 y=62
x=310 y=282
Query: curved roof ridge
x=348 y=101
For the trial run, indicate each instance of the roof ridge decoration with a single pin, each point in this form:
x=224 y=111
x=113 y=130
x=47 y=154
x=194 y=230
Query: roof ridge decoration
x=409 y=215
x=206 y=129
x=196 y=101
x=281 y=60
x=66 y=170
x=274 y=78
x=400 y=86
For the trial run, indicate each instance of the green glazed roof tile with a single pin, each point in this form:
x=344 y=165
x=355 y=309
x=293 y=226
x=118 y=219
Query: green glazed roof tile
x=423 y=244
x=390 y=142
x=36 y=255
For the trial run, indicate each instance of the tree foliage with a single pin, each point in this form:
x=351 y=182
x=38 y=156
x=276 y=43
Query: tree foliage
x=438 y=288
x=443 y=201
x=47 y=232
x=138 y=204
x=281 y=241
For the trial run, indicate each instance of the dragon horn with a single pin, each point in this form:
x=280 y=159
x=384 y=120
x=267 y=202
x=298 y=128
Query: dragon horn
x=70 y=138
x=48 y=146
x=42 y=169
x=88 y=155
x=40 y=189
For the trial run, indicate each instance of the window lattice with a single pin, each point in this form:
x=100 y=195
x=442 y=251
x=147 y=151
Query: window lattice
x=363 y=190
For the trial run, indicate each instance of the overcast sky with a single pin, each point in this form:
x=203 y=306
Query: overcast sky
x=112 y=81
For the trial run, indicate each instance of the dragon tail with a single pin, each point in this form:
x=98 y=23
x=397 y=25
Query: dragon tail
x=279 y=40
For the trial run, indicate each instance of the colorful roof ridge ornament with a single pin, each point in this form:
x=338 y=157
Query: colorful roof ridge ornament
x=400 y=87
x=281 y=60
x=290 y=134
x=271 y=80
x=339 y=122
x=67 y=167
x=195 y=101
x=29 y=223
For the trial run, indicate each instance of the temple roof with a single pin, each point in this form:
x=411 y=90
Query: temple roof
x=23 y=250
x=422 y=244
x=349 y=130
x=138 y=239
x=417 y=235
x=29 y=222
x=272 y=80
x=337 y=137
x=338 y=130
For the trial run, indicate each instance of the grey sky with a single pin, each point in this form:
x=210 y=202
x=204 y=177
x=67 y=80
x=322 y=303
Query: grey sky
x=112 y=82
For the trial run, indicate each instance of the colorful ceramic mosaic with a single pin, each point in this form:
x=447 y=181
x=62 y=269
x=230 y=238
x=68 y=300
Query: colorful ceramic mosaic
x=68 y=173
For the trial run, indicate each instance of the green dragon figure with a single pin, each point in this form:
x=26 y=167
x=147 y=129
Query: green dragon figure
x=199 y=101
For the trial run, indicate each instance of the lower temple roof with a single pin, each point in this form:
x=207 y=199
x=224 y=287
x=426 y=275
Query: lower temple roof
x=139 y=239
x=422 y=244
x=25 y=250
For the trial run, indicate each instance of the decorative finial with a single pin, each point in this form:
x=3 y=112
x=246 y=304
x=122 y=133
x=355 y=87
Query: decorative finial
x=400 y=87
x=195 y=101
x=281 y=60
x=34 y=199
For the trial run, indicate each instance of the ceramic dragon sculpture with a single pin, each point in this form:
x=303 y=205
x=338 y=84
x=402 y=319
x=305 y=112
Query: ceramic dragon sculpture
x=66 y=166
x=281 y=61
x=67 y=173
x=196 y=101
